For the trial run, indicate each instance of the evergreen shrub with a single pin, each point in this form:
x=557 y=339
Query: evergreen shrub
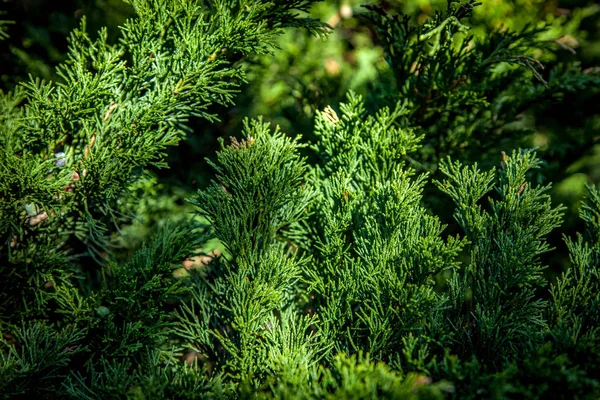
x=310 y=268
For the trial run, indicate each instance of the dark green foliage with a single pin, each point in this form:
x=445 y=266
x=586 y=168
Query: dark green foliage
x=311 y=268
x=375 y=256
x=577 y=293
x=495 y=312
x=36 y=353
x=3 y=27
x=70 y=152
x=465 y=90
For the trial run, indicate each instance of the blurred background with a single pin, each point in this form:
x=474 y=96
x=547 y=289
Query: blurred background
x=305 y=74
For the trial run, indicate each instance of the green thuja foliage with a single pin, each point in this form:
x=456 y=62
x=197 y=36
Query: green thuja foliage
x=248 y=318
x=474 y=91
x=466 y=92
x=495 y=309
x=311 y=268
x=376 y=249
x=77 y=316
x=119 y=106
x=3 y=27
x=359 y=265
x=247 y=303
x=581 y=281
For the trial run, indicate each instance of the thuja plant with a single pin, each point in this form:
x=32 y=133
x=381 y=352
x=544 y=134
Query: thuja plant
x=339 y=264
x=336 y=281
x=70 y=153
x=494 y=297
x=374 y=244
x=275 y=319
x=119 y=106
